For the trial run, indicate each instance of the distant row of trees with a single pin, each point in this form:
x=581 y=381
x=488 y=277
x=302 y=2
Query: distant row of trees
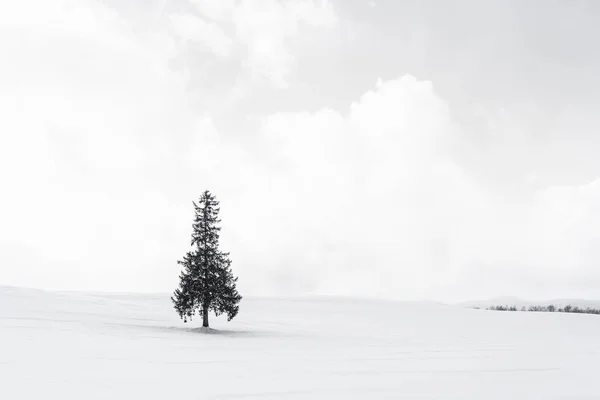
x=549 y=308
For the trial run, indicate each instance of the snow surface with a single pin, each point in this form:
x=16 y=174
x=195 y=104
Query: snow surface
x=100 y=346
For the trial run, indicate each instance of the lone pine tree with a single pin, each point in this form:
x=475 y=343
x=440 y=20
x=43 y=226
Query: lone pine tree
x=206 y=281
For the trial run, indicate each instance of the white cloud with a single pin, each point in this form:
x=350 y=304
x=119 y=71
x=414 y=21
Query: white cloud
x=218 y=10
x=264 y=28
x=88 y=112
x=373 y=192
x=374 y=202
x=196 y=29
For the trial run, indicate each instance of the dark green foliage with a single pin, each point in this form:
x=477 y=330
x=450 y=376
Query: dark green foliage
x=206 y=281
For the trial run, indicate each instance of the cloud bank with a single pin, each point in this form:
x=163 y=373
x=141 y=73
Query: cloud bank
x=104 y=147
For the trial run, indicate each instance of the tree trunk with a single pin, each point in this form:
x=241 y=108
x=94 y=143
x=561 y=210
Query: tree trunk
x=205 y=317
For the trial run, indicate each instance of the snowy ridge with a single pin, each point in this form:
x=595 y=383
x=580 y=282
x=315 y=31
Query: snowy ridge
x=94 y=346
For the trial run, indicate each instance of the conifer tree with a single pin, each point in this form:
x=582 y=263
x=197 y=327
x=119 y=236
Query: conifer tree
x=206 y=281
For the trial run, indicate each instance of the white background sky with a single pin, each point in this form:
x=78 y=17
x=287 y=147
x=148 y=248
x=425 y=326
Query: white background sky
x=405 y=149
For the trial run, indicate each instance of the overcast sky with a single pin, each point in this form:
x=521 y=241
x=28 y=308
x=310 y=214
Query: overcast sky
x=443 y=150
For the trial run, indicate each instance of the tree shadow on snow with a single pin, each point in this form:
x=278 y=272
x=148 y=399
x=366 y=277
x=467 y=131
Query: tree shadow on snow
x=215 y=332
x=224 y=332
x=227 y=332
x=200 y=331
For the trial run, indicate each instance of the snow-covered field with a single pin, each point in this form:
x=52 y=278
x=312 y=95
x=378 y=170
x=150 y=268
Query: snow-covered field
x=86 y=346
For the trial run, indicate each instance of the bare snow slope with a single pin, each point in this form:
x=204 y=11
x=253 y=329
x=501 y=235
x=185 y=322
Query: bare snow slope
x=85 y=346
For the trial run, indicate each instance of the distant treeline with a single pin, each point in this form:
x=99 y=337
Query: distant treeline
x=550 y=308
